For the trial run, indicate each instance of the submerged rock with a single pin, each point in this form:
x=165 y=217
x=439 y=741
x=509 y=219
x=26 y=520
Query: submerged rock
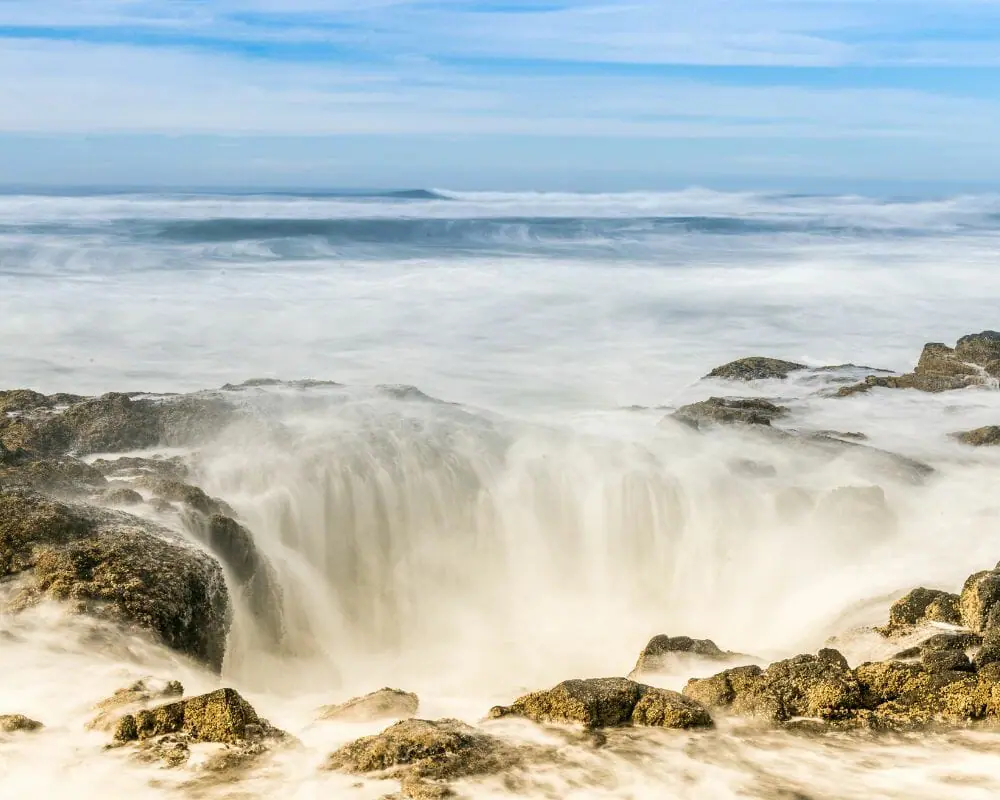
x=728 y=411
x=427 y=755
x=135 y=467
x=115 y=565
x=121 y=496
x=18 y=723
x=922 y=605
x=383 y=704
x=987 y=436
x=607 y=703
x=755 y=368
x=131 y=699
x=662 y=650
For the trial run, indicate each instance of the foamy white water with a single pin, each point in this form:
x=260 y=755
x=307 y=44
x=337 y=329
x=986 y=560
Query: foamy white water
x=530 y=528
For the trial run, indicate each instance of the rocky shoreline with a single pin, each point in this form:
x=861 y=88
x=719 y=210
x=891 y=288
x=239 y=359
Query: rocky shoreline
x=131 y=539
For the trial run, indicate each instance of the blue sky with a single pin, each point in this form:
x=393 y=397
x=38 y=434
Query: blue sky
x=562 y=93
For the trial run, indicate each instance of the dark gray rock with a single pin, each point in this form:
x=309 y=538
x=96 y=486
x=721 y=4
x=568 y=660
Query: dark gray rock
x=755 y=368
x=729 y=411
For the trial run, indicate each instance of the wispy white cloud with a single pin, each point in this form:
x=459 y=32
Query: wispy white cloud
x=709 y=32
x=81 y=87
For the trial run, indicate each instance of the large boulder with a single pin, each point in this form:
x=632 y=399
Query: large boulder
x=663 y=652
x=607 y=703
x=805 y=686
x=920 y=606
x=383 y=704
x=755 y=368
x=114 y=565
x=729 y=411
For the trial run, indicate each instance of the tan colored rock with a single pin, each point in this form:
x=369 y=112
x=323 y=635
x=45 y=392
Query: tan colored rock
x=132 y=699
x=220 y=716
x=923 y=605
x=606 y=703
x=18 y=723
x=426 y=756
x=383 y=704
x=980 y=597
x=805 y=686
x=663 y=651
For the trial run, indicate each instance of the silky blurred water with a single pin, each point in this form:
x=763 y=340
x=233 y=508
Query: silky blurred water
x=519 y=521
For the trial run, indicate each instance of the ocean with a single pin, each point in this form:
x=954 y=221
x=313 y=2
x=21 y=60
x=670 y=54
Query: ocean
x=484 y=500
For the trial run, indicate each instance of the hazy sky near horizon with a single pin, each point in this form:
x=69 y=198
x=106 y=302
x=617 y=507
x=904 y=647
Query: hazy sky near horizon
x=604 y=93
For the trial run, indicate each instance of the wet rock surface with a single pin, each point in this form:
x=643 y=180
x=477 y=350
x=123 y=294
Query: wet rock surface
x=220 y=716
x=116 y=422
x=607 y=703
x=129 y=700
x=974 y=361
x=923 y=605
x=426 y=756
x=117 y=566
x=819 y=686
x=384 y=704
